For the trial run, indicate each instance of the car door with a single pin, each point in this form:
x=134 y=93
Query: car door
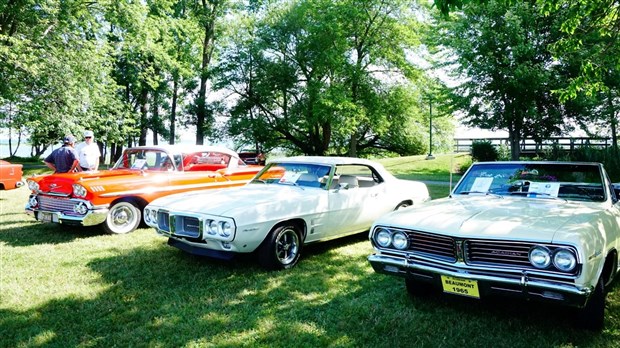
x=354 y=199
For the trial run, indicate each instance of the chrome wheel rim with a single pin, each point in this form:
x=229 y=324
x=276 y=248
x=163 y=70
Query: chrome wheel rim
x=287 y=246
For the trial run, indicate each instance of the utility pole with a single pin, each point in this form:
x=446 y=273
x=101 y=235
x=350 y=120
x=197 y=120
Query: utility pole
x=430 y=129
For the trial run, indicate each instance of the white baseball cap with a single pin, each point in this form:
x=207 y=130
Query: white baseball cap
x=89 y=134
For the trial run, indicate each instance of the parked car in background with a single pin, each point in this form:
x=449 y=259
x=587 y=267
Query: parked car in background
x=545 y=231
x=115 y=198
x=253 y=157
x=290 y=203
x=10 y=175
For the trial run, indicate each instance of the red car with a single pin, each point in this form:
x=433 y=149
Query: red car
x=10 y=175
x=115 y=198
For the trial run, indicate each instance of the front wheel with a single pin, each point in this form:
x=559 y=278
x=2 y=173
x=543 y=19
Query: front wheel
x=123 y=217
x=592 y=316
x=281 y=249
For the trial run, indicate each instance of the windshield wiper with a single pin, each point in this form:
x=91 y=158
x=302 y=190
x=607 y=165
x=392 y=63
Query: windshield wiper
x=544 y=195
x=486 y=193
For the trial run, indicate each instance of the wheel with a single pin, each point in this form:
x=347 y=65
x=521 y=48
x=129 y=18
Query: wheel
x=592 y=316
x=123 y=217
x=417 y=288
x=402 y=205
x=281 y=249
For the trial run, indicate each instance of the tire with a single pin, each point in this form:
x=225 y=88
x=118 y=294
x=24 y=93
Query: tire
x=592 y=316
x=281 y=248
x=124 y=217
x=417 y=288
x=402 y=205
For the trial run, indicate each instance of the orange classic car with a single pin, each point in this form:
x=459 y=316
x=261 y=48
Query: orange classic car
x=10 y=175
x=115 y=198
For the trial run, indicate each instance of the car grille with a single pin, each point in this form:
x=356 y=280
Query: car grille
x=53 y=204
x=474 y=252
x=180 y=225
x=496 y=252
x=433 y=245
x=163 y=221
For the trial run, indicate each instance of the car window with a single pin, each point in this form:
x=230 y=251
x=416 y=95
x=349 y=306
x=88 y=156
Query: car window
x=296 y=174
x=582 y=182
x=146 y=159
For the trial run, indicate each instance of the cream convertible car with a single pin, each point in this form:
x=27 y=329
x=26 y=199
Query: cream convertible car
x=537 y=230
x=291 y=202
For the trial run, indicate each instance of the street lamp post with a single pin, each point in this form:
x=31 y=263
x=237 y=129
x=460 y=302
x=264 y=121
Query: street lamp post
x=430 y=130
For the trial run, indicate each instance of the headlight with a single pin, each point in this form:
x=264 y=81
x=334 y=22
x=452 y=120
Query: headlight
x=81 y=208
x=540 y=257
x=564 y=260
x=79 y=190
x=400 y=241
x=383 y=238
x=32 y=185
x=212 y=227
x=150 y=215
x=225 y=229
x=33 y=202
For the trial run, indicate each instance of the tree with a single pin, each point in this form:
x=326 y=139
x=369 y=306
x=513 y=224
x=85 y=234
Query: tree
x=323 y=77
x=581 y=18
x=509 y=75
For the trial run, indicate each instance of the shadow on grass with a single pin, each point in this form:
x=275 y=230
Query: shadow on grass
x=36 y=233
x=162 y=297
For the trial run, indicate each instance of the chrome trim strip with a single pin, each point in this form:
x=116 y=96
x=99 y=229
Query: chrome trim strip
x=151 y=189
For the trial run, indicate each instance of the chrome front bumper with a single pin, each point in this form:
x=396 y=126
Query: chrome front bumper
x=523 y=285
x=92 y=217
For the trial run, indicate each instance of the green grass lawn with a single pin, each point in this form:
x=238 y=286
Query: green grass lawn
x=63 y=286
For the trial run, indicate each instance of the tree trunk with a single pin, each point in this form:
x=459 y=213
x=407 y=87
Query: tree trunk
x=173 y=111
x=209 y=9
x=514 y=137
x=143 y=116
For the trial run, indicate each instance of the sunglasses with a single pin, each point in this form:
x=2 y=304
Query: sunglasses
x=87 y=137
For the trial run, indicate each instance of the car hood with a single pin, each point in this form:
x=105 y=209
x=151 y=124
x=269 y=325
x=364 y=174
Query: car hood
x=235 y=201
x=493 y=217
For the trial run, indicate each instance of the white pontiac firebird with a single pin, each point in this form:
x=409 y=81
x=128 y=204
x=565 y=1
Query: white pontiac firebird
x=547 y=231
x=291 y=202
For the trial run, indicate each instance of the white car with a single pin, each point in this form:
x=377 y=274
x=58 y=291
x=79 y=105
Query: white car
x=537 y=230
x=291 y=202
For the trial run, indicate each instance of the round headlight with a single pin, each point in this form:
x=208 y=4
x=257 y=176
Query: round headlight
x=33 y=202
x=32 y=185
x=540 y=257
x=225 y=229
x=400 y=241
x=564 y=260
x=81 y=208
x=212 y=227
x=79 y=190
x=383 y=238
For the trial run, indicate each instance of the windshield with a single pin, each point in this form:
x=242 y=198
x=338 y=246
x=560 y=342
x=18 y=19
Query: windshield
x=147 y=159
x=570 y=181
x=297 y=174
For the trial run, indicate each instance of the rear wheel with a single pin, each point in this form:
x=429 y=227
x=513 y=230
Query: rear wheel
x=592 y=316
x=281 y=249
x=123 y=217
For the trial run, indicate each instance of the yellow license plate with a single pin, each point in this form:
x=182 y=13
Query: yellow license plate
x=460 y=286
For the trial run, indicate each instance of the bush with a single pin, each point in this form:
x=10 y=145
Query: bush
x=483 y=151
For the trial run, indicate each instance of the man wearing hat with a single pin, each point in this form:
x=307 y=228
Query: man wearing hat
x=88 y=152
x=64 y=159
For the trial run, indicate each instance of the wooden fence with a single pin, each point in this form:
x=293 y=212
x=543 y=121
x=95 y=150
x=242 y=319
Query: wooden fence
x=532 y=147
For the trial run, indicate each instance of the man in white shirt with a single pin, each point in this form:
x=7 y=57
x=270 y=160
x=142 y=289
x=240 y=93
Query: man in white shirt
x=88 y=152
